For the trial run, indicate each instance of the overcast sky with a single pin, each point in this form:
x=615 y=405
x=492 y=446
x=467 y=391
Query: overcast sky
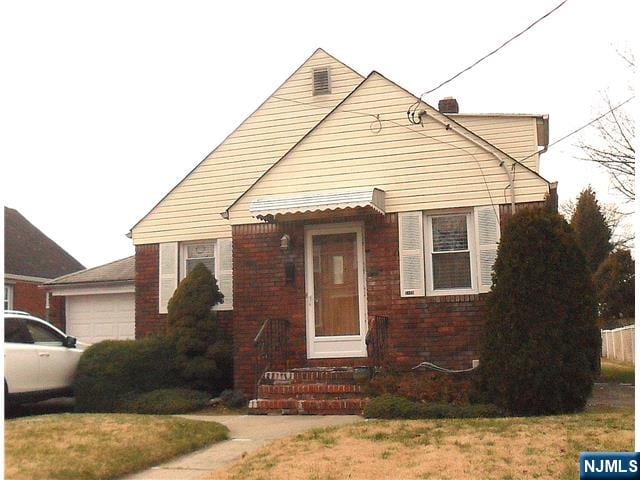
x=107 y=105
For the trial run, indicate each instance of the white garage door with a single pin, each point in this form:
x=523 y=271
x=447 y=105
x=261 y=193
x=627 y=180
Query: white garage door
x=93 y=318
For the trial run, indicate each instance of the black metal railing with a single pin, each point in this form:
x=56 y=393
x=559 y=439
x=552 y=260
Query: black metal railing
x=377 y=340
x=271 y=347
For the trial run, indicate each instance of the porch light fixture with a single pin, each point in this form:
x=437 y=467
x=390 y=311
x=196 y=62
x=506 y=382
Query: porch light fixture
x=285 y=242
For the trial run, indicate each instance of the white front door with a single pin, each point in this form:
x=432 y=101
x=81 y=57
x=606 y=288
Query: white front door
x=334 y=280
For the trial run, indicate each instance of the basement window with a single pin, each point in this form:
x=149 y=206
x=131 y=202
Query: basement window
x=321 y=81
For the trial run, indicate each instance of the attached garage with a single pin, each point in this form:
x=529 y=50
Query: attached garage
x=99 y=302
x=95 y=317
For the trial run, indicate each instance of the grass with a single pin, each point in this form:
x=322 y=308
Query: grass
x=615 y=372
x=502 y=448
x=99 y=446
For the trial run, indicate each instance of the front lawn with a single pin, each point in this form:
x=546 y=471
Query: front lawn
x=99 y=446
x=615 y=372
x=504 y=448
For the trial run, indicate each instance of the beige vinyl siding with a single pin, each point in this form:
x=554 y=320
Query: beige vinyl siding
x=513 y=134
x=192 y=210
x=419 y=167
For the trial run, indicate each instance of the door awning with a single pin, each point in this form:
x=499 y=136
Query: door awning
x=370 y=197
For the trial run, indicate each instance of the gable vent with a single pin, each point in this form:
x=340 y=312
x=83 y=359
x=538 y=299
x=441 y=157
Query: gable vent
x=321 y=81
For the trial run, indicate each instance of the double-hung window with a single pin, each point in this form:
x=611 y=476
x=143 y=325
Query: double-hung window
x=449 y=252
x=199 y=252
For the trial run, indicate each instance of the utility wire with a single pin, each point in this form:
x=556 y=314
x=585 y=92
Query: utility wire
x=412 y=109
x=495 y=50
x=379 y=120
x=582 y=127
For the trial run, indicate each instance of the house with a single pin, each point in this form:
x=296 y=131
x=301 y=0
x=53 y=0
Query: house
x=31 y=258
x=97 y=303
x=345 y=221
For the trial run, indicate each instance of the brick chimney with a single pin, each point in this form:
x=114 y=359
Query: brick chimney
x=448 y=105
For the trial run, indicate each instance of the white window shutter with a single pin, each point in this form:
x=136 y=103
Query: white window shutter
x=487 y=236
x=411 y=242
x=224 y=274
x=168 y=281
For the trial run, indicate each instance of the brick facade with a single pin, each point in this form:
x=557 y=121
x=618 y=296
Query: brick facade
x=57 y=314
x=29 y=297
x=148 y=320
x=444 y=330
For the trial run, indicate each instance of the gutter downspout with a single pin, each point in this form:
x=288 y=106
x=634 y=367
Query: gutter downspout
x=500 y=160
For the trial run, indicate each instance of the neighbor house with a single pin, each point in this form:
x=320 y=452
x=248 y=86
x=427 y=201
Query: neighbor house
x=348 y=223
x=30 y=259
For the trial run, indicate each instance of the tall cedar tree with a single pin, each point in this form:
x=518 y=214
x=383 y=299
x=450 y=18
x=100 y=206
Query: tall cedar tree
x=203 y=351
x=615 y=288
x=540 y=350
x=592 y=232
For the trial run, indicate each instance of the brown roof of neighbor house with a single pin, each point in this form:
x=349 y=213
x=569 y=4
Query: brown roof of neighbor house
x=29 y=252
x=122 y=270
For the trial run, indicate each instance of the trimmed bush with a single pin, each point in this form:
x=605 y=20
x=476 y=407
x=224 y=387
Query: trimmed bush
x=424 y=386
x=164 y=402
x=109 y=370
x=203 y=352
x=540 y=351
x=393 y=406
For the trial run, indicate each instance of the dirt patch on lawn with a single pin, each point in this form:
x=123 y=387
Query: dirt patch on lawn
x=509 y=448
x=609 y=395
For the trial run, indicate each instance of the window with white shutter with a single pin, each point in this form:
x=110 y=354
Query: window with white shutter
x=411 y=254
x=168 y=274
x=487 y=220
x=224 y=274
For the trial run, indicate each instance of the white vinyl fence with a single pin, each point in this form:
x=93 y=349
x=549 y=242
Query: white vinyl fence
x=618 y=344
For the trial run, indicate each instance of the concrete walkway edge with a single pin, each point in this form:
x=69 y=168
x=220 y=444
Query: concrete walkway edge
x=247 y=433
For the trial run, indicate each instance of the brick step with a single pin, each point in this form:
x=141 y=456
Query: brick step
x=291 y=406
x=338 y=375
x=310 y=391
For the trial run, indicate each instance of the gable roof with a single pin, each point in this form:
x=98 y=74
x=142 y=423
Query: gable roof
x=191 y=209
x=29 y=252
x=340 y=107
x=122 y=270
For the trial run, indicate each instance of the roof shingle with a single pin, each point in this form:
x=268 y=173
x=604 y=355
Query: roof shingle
x=29 y=252
x=122 y=270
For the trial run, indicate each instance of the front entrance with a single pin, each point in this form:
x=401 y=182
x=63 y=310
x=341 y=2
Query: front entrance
x=334 y=278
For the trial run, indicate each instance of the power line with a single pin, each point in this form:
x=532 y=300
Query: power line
x=378 y=119
x=582 y=127
x=413 y=108
x=495 y=50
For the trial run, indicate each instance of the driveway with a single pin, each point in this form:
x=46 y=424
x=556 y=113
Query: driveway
x=247 y=434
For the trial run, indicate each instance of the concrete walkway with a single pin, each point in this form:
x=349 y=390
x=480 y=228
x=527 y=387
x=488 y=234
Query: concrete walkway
x=247 y=433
